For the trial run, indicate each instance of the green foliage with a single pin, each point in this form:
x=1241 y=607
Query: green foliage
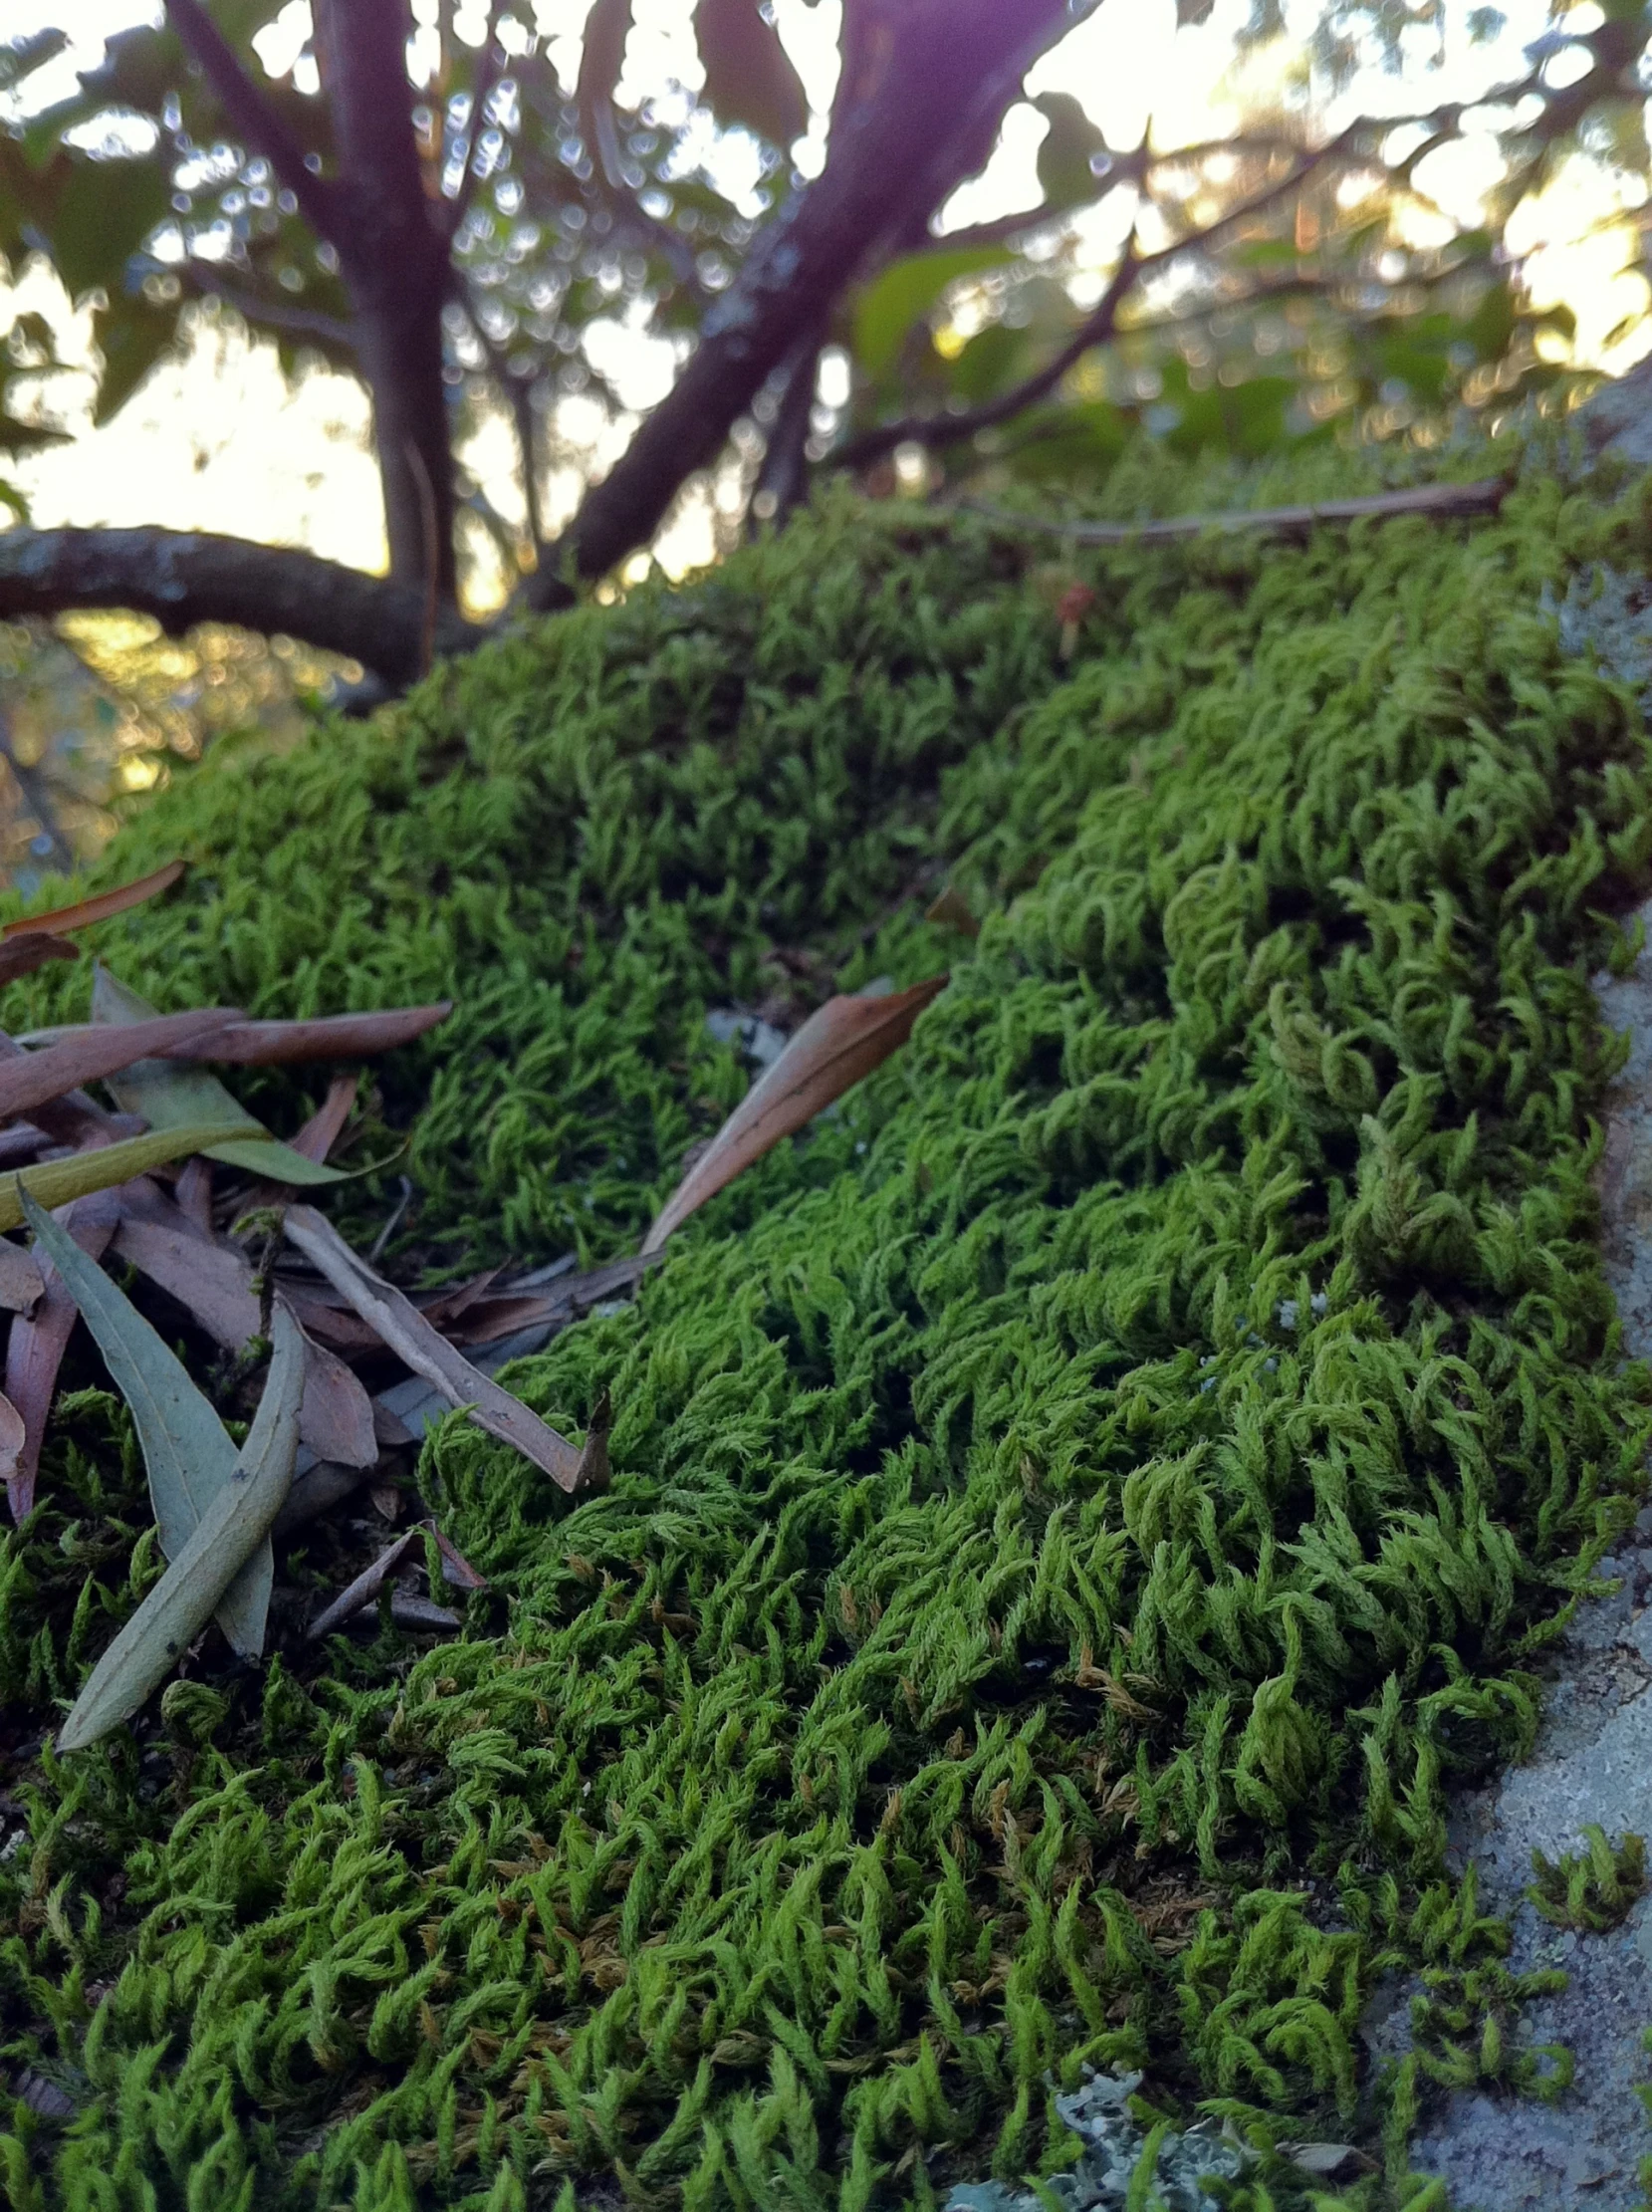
x=1594 y=1888
x=1072 y=1517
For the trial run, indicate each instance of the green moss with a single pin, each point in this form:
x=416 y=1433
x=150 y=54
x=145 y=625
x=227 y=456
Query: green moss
x=1072 y=1518
x=1594 y=1888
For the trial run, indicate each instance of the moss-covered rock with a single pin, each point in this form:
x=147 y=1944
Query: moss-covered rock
x=1072 y=1517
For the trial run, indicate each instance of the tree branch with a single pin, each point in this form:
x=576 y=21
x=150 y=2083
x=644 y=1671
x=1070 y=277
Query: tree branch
x=923 y=111
x=302 y=322
x=186 y=576
x=260 y=125
x=1440 y=501
x=487 y=80
x=783 y=479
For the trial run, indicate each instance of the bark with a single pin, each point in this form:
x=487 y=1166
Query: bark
x=929 y=84
x=394 y=255
x=186 y=576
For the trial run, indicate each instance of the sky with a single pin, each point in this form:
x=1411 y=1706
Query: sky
x=220 y=440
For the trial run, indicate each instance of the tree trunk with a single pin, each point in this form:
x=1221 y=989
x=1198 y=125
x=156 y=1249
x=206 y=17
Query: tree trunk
x=394 y=259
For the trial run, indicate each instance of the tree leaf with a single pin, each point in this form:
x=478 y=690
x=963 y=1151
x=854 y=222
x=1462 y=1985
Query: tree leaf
x=838 y=1044
x=886 y=309
x=236 y=1523
x=85 y=911
x=186 y=1449
x=749 y=74
x=13 y=1440
x=169 y=1096
x=56 y=1182
x=326 y=1126
x=411 y=1336
x=97 y=1054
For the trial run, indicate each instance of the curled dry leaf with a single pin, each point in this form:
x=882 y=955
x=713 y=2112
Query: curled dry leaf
x=235 y=1524
x=75 y=1119
x=952 y=911
x=22 y=955
x=186 y=1449
x=100 y=907
x=846 y=1040
x=402 y=1326
x=246 y=1043
x=56 y=1182
x=38 y=1078
x=36 y=1347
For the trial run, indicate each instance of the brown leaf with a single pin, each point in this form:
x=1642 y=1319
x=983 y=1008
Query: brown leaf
x=73 y=1118
x=13 y=1437
x=36 y=1078
x=952 y=911
x=844 y=1041
x=243 y=1044
x=87 y=910
x=36 y=1347
x=335 y=1417
x=194 y=1192
x=213 y=1282
x=22 y=955
x=20 y=1280
x=411 y=1336
x=324 y=1127
x=456 y=1568
x=316 y=1491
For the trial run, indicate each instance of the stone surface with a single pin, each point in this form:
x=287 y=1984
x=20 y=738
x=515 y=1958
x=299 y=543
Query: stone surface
x=1592 y=1763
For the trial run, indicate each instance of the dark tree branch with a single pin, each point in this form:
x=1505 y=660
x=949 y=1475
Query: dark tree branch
x=186 y=576
x=250 y=115
x=783 y=480
x=302 y=322
x=930 y=89
x=394 y=259
x=487 y=80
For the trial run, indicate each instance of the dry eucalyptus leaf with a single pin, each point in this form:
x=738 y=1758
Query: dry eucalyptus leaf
x=22 y=955
x=186 y=1449
x=96 y=1054
x=235 y=1524
x=20 y=1280
x=98 y=909
x=402 y=1326
x=56 y=1182
x=839 y=1044
x=37 y=1344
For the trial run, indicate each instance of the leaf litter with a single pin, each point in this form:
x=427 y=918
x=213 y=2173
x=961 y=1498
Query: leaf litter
x=215 y=1507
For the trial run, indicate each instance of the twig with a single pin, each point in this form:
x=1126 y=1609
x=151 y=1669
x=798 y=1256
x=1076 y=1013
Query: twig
x=432 y=553
x=486 y=82
x=1442 y=501
x=263 y=127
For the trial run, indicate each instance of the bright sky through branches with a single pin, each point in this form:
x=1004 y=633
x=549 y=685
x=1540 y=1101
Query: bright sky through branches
x=220 y=441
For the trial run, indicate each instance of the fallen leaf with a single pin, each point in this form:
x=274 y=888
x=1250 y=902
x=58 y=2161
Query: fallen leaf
x=73 y=1118
x=236 y=1524
x=846 y=1040
x=98 y=909
x=335 y=1417
x=317 y=1491
x=195 y=1193
x=56 y=1182
x=326 y=1126
x=421 y=1615
x=170 y=1097
x=36 y=1347
x=386 y=1501
x=188 y=1454
x=96 y=1054
x=13 y=1437
x=329 y=1037
x=22 y=955
x=213 y=1282
x=20 y=1143
x=20 y=1280
x=351 y=1601
x=402 y=1326
x=952 y=911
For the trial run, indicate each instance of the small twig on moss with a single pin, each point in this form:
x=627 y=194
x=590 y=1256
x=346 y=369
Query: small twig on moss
x=1442 y=501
